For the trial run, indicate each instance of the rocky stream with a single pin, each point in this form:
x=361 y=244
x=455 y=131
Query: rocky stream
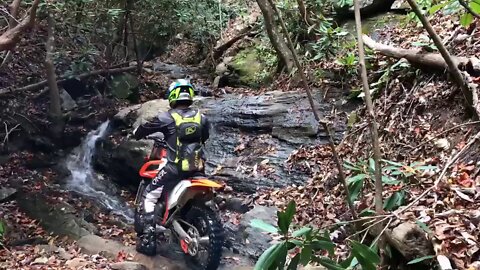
x=251 y=139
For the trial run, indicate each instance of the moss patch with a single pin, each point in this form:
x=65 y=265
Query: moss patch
x=254 y=65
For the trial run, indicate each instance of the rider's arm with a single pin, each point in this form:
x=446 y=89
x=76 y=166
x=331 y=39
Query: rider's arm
x=156 y=124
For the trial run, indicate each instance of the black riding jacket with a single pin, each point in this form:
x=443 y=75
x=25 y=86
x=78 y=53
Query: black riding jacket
x=165 y=124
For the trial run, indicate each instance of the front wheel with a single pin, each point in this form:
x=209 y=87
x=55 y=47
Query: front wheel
x=138 y=218
x=208 y=232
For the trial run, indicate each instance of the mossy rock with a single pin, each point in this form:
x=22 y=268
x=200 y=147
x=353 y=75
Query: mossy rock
x=253 y=67
x=123 y=85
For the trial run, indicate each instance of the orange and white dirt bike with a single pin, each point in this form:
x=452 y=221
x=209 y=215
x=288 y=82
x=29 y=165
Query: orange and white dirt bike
x=189 y=218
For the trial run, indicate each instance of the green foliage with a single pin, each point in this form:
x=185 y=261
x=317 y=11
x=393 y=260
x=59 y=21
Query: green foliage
x=421 y=259
x=349 y=62
x=2 y=232
x=309 y=242
x=448 y=7
x=386 y=76
x=255 y=64
x=331 y=40
x=393 y=174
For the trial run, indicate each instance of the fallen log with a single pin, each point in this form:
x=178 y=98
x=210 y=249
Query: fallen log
x=220 y=49
x=410 y=240
x=64 y=78
x=423 y=59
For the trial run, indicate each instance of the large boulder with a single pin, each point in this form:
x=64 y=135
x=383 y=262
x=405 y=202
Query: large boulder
x=7 y=193
x=123 y=159
x=250 y=241
x=251 y=138
x=250 y=67
x=56 y=217
x=93 y=244
x=123 y=85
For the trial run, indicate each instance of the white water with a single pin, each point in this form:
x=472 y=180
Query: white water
x=85 y=181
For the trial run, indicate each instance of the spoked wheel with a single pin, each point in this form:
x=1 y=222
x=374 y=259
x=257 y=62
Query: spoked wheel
x=207 y=233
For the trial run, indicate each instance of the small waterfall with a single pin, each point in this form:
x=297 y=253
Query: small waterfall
x=84 y=179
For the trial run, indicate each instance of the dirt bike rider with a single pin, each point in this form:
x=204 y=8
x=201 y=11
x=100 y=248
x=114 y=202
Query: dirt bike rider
x=185 y=130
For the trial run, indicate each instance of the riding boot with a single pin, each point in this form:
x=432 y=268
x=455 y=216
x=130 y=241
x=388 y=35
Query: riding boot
x=147 y=242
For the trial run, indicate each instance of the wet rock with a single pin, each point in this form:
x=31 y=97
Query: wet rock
x=58 y=218
x=67 y=102
x=51 y=249
x=250 y=141
x=254 y=136
x=40 y=260
x=128 y=266
x=251 y=241
x=123 y=85
x=43 y=144
x=92 y=244
x=232 y=204
x=76 y=263
x=174 y=71
x=122 y=161
x=135 y=115
x=7 y=193
x=40 y=160
x=252 y=68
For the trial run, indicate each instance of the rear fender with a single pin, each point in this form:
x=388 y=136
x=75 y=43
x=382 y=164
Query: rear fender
x=187 y=190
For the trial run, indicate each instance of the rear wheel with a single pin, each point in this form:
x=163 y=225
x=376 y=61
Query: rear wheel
x=208 y=232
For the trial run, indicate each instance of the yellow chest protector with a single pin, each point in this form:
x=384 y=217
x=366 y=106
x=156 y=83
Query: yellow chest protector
x=189 y=141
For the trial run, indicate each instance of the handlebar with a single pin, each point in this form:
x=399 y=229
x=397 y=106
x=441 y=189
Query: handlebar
x=158 y=138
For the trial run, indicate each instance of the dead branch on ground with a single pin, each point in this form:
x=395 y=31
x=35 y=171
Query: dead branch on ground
x=62 y=79
x=470 y=95
x=419 y=57
x=220 y=49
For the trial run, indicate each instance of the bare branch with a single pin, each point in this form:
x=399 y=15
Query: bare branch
x=12 y=36
x=14 y=9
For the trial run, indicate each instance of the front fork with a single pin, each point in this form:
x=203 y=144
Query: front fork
x=140 y=191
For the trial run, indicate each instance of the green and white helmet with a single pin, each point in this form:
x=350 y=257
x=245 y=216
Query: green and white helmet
x=180 y=90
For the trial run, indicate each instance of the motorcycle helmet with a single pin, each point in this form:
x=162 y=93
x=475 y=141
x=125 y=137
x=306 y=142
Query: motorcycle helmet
x=180 y=91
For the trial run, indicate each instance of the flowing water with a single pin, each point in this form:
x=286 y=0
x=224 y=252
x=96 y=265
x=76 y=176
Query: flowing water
x=87 y=182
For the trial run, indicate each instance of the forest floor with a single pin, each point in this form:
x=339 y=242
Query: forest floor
x=422 y=122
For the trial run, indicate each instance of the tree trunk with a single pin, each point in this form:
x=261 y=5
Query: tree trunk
x=278 y=42
x=125 y=31
x=131 y=6
x=324 y=123
x=55 y=107
x=373 y=128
